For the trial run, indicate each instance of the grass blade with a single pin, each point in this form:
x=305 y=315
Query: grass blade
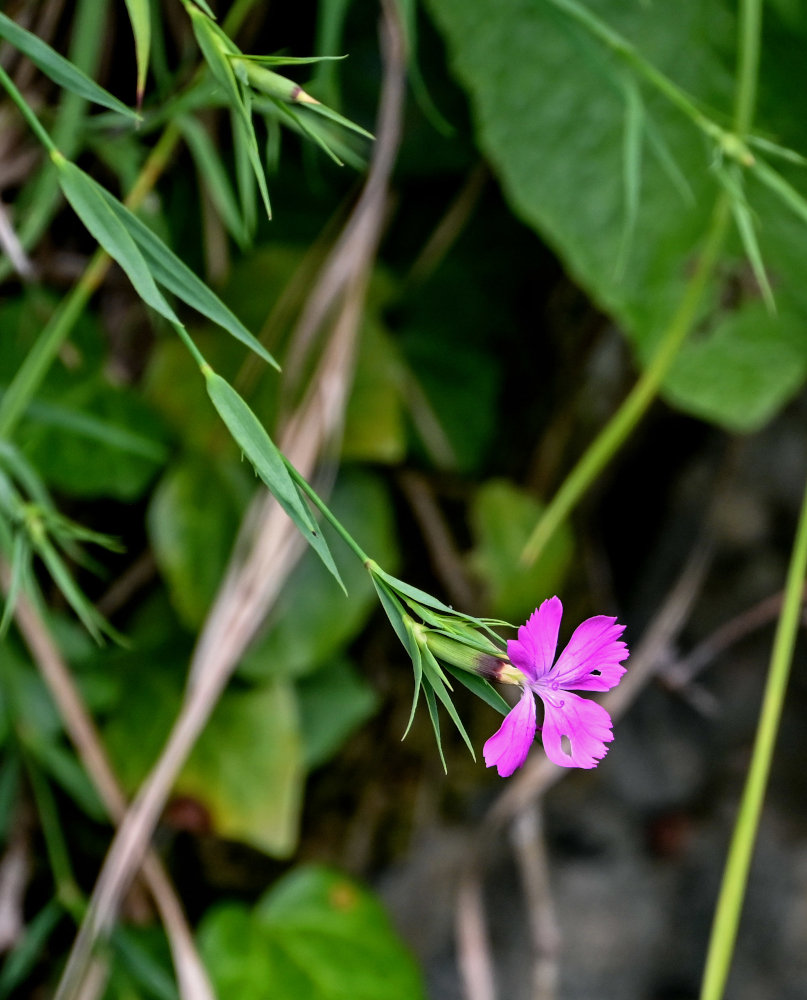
x=431 y=703
x=216 y=47
x=745 y=226
x=213 y=177
x=90 y=202
x=140 y=18
x=481 y=688
x=59 y=69
x=178 y=278
x=431 y=669
x=266 y=459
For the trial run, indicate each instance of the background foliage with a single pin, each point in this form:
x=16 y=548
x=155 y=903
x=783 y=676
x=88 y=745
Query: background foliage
x=550 y=205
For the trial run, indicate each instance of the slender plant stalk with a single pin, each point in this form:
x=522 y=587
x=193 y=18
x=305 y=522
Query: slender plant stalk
x=621 y=425
x=735 y=876
x=326 y=512
x=745 y=96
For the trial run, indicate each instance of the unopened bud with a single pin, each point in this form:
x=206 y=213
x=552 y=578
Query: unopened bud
x=492 y=666
x=273 y=84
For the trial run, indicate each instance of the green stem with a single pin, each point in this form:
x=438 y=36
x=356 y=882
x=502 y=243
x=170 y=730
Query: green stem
x=326 y=512
x=25 y=110
x=735 y=876
x=747 y=65
x=613 y=435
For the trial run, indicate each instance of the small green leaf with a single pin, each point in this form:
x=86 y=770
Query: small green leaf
x=213 y=177
x=433 y=673
x=91 y=203
x=417 y=667
x=216 y=48
x=480 y=687
x=140 y=17
x=333 y=703
x=247 y=769
x=178 y=278
x=434 y=717
x=59 y=69
x=316 y=935
x=732 y=181
x=192 y=521
x=262 y=452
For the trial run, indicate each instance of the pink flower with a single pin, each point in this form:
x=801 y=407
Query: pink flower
x=575 y=730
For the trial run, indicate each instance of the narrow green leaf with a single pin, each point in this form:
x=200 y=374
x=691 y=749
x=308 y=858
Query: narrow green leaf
x=431 y=703
x=179 y=279
x=481 y=688
x=95 y=624
x=96 y=429
x=244 y=176
x=140 y=17
x=417 y=666
x=23 y=957
x=91 y=203
x=59 y=69
x=213 y=177
x=20 y=561
x=434 y=675
x=252 y=438
x=290 y=60
x=774 y=149
x=395 y=613
x=216 y=47
x=780 y=187
x=303 y=126
x=334 y=116
x=732 y=181
x=668 y=162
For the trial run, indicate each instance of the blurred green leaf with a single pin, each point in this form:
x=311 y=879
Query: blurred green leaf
x=60 y=70
x=315 y=934
x=94 y=439
x=549 y=110
x=192 y=520
x=375 y=430
x=213 y=177
x=140 y=17
x=246 y=771
x=333 y=702
x=311 y=621
x=502 y=517
x=247 y=768
x=178 y=278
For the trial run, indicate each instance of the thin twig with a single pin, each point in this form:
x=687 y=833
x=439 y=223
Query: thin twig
x=191 y=975
x=446 y=560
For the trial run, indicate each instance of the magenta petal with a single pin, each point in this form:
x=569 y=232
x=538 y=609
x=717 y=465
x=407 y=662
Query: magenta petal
x=534 y=650
x=510 y=744
x=592 y=659
x=585 y=724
